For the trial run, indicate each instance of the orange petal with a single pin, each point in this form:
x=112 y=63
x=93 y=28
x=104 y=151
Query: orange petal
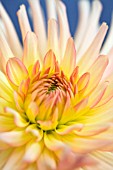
x=16 y=71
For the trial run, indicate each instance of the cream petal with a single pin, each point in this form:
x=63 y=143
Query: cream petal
x=15 y=138
x=63 y=26
x=16 y=156
x=91 y=30
x=33 y=151
x=51 y=9
x=53 y=42
x=46 y=161
x=39 y=24
x=69 y=60
x=13 y=41
x=4 y=155
x=6 y=52
x=108 y=43
x=23 y=21
x=84 y=11
x=96 y=72
x=93 y=51
x=31 y=50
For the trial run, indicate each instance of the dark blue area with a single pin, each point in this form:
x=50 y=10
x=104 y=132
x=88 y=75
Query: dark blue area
x=72 y=11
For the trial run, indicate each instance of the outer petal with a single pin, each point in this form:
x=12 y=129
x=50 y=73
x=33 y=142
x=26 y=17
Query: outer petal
x=13 y=67
x=31 y=50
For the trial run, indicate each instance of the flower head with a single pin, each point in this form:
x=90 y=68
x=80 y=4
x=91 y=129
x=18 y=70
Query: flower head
x=55 y=100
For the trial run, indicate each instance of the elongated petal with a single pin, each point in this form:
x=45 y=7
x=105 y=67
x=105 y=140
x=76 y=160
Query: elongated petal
x=98 y=68
x=23 y=21
x=39 y=25
x=69 y=60
x=31 y=50
x=14 y=42
x=51 y=9
x=93 y=51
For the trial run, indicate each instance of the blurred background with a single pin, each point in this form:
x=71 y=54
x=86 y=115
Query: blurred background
x=12 y=6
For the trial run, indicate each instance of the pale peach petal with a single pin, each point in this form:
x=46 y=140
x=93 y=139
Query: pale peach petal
x=64 y=29
x=4 y=155
x=91 y=30
x=46 y=161
x=31 y=50
x=5 y=51
x=83 y=82
x=96 y=72
x=15 y=138
x=39 y=25
x=13 y=41
x=6 y=91
x=53 y=43
x=97 y=94
x=84 y=9
x=13 y=67
x=16 y=156
x=33 y=151
x=23 y=21
x=69 y=60
x=93 y=51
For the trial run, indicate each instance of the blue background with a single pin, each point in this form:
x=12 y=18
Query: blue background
x=72 y=10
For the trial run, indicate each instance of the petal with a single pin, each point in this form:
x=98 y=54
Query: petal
x=84 y=9
x=31 y=50
x=51 y=9
x=96 y=72
x=53 y=37
x=6 y=52
x=49 y=60
x=93 y=51
x=6 y=91
x=69 y=59
x=18 y=119
x=65 y=129
x=16 y=156
x=91 y=29
x=6 y=123
x=16 y=71
x=64 y=28
x=23 y=21
x=33 y=151
x=14 y=42
x=15 y=138
x=39 y=24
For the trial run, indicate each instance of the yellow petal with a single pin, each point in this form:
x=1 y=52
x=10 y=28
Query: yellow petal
x=13 y=67
x=31 y=50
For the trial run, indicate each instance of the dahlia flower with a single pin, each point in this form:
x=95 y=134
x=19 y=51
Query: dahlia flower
x=56 y=92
